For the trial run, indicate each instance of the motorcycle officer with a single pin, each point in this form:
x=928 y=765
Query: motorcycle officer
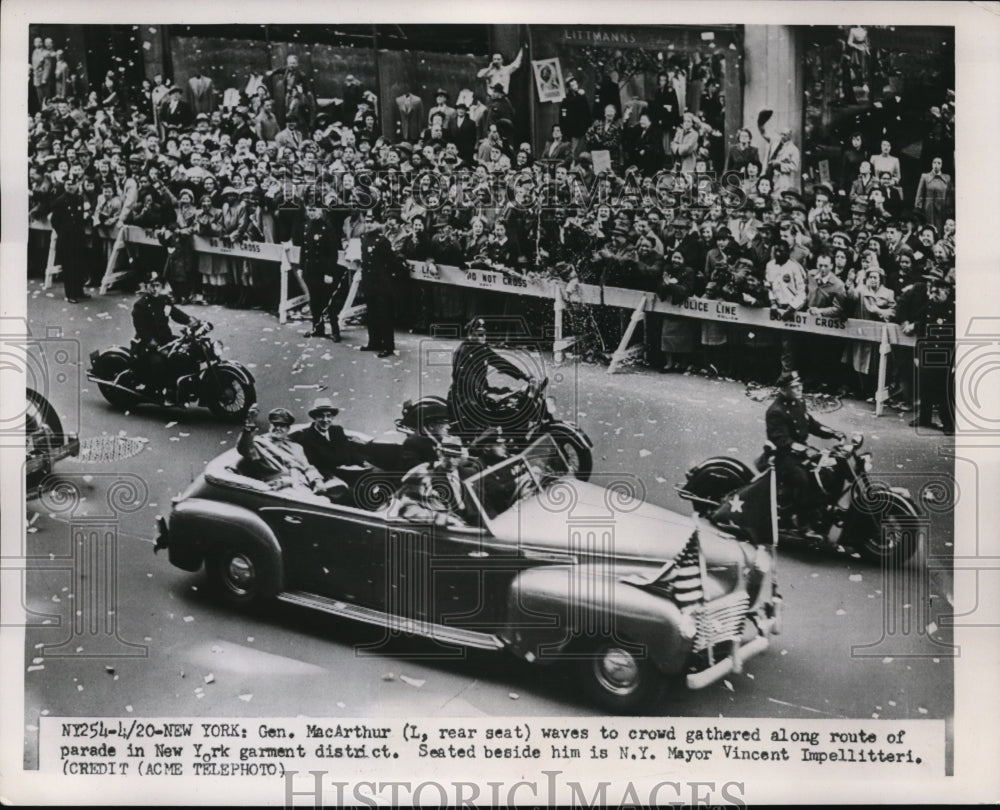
x=789 y=425
x=470 y=367
x=151 y=316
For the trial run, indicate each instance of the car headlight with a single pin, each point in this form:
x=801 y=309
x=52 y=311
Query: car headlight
x=550 y=405
x=866 y=461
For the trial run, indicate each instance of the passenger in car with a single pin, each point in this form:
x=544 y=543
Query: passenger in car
x=275 y=459
x=325 y=444
x=432 y=492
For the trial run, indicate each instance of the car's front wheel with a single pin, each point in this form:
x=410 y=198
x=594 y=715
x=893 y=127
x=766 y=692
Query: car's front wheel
x=238 y=576
x=620 y=678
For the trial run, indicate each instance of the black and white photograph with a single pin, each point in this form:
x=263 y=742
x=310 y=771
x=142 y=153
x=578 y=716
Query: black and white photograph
x=591 y=408
x=549 y=80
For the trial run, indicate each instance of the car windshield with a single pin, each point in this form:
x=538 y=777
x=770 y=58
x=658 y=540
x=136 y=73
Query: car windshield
x=501 y=486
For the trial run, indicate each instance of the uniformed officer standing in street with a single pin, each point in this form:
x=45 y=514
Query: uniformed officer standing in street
x=935 y=356
x=326 y=280
x=789 y=426
x=69 y=223
x=379 y=265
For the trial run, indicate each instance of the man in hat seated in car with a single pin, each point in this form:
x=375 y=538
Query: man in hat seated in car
x=789 y=426
x=433 y=492
x=326 y=446
x=275 y=459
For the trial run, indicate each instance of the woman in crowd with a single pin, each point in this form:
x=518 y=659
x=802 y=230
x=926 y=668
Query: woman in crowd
x=677 y=336
x=869 y=299
x=742 y=153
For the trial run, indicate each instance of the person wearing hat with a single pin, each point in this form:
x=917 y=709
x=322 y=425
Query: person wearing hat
x=151 y=315
x=325 y=444
x=935 y=354
x=441 y=108
x=274 y=458
x=789 y=426
x=380 y=266
x=176 y=113
x=325 y=279
x=433 y=492
x=471 y=363
x=500 y=111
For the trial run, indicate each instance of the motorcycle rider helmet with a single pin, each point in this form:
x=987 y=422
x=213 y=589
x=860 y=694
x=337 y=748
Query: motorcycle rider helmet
x=419 y=416
x=476 y=328
x=153 y=283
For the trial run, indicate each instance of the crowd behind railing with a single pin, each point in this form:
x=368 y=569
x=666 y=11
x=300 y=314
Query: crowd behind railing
x=644 y=197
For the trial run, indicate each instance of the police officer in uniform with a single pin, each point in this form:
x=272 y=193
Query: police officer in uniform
x=789 y=426
x=470 y=367
x=69 y=223
x=379 y=265
x=326 y=280
x=151 y=316
x=935 y=356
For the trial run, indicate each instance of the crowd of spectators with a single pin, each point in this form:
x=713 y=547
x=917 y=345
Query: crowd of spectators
x=676 y=214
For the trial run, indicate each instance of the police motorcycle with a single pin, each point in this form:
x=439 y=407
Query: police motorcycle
x=876 y=520
x=196 y=374
x=515 y=418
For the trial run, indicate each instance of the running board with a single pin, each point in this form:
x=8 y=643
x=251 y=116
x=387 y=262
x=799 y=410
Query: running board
x=438 y=632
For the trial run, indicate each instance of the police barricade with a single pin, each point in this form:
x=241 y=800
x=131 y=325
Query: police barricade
x=561 y=294
x=285 y=255
x=51 y=268
x=884 y=334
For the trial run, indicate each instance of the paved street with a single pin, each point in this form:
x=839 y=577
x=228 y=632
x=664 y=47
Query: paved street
x=290 y=661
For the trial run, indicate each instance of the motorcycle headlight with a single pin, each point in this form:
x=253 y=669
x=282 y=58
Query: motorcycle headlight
x=550 y=405
x=218 y=346
x=857 y=439
x=866 y=461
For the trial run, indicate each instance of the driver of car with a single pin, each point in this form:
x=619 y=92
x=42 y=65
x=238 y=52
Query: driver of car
x=432 y=492
x=429 y=426
x=151 y=316
x=470 y=367
x=280 y=462
x=789 y=426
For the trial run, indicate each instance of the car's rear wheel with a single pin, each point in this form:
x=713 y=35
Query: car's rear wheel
x=619 y=678
x=238 y=576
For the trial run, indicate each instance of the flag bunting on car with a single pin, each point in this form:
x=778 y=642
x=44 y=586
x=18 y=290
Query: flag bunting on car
x=683 y=580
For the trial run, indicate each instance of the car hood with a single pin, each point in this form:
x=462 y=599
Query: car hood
x=575 y=516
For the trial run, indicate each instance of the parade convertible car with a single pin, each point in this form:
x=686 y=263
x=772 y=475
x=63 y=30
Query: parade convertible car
x=555 y=570
x=45 y=441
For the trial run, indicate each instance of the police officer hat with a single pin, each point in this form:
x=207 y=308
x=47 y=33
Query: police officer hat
x=936 y=278
x=281 y=416
x=451 y=447
x=789 y=378
x=477 y=326
x=323 y=405
x=420 y=415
